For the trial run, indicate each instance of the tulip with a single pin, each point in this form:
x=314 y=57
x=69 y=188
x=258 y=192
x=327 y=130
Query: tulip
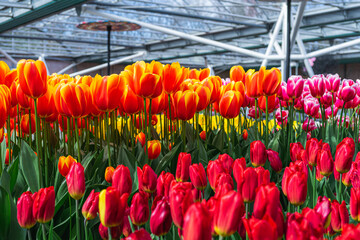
x=204 y=96
x=112 y=207
x=271 y=80
x=139 y=209
x=214 y=85
x=347 y=90
x=25 y=210
x=121 y=180
x=140 y=234
x=183 y=164
x=109 y=172
x=4 y=70
x=350 y=231
x=213 y=169
x=230 y=103
x=274 y=159
x=258 y=229
x=299 y=227
x=315 y=220
x=160 y=220
x=114 y=231
x=91 y=206
x=247 y=185
x=197 y=223
x=296 y=187
x=238 y=168
x=317 y=86
x=267 y=201
x=130 y=102
x=44 y=204
x=32 y=77
x=237 y=74
x=199 y=74
x=147 y=179
x=294 y=87
x=75 y=181
x=339 y=215
x=254 y=83
x=65 y=164
x=355 y=203
x=325 y=162
x=223 y=187
x=312 y=107
x=185 y=104
x=257 y=153
x=25 y=124
x=229 y=213
x=312 y=148
x=295 y=149
x=173 y=76
x=46 y=104
x=344 y=154
x=164 y=183
x=226 y=161
x=140 y=138
x=223 y=178
x=245 y=134
x=263 y=175
x=198 y=176
x=153 y=149
x=323 y=209
x=308 y=125
x=180 y=200
x=332 y=83
x=203 y=135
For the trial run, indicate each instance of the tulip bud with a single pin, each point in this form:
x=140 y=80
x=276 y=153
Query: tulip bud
x=317 y=86
x=230 y=103
x=180 y=200
x=312 y=148
x=323 y=208
x=295 y=85
x=126 y=228
x=44 y=204
x=213 y=169
x=183 y=164
x=229 y=213
x=296 y=187
x=91 y=206
x=163 y=183
x=325 y=162
x=160 y=220
x=75 y=181
x=198 y=176
x=139 y=209
x=197 y=222
x=147 y=179
x=355 y=203
x=295 y=149
x=245 y=134
x=339 y=215
x=140 y=234
x=264 y=228
x=203 y=135
x=25 y=122
x=154 y=149
x=248 y=184
x=104 y=232
x=238 y=167
x=226 y=161
x=344 y=154
x=65 y=164
x=267 y=201
x=121 y=179
x=141 y=138
x=109 y=172
x=257 y=153
x=274 y=159
x=112 y=207
x=25 y=210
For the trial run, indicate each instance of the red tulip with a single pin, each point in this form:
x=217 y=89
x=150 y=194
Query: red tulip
x=325 y=162
x=109 y=172
x=183 y=164
x=126 y=228
x=121 y=179
x=295 y=149
x=296 y=187
x=339 y=215
x=44 y=204
x=248 y=184
x=312 y=148
x=153 y=149
x=160 y=220
x=26 y=120
x=355 y=203
x=197 y=223
x=75 y=181
x=139 y=209
x=344 y=154
x=25 y=210
x=180 y=200
x=164 y=183
x=91 y=206
x=323 y=208
x=267 y=201
x=260 y=229
x=274 y=159
x=140 y=138
x=213 y=169
x=203 y=135
x=226 y=161
x=257 y=153
x=198 y=176
x=229 y=213
x=140 y=234
x=112 y=207
x=147 y=179
x=104 y=232
x=238 y=168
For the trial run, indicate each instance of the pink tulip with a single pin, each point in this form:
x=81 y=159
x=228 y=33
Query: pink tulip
x=308 y=125
x=347 y=90
x=317 y=86
x=332 y=82
x=295 y=85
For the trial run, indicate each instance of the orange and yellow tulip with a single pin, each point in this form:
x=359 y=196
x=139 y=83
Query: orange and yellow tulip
x=237 y=74
x=199 y=74
x=185 y=104
x=173 y=76
x=230 y=103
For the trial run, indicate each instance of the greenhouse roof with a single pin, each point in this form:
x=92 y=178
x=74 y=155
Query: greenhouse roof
x=29 y=29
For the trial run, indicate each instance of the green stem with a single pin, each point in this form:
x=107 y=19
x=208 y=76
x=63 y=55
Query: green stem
x=46 y=154
x=9 y=137
x=30 y=132
x=183 y=134
x=96 y=128
x=267 y=122
x=314 y=188
x=246 y=210
x=68 y=136
x=171 y=129
x=86 y=230
x=256 y=120
x=109 y=233
x=29 y=234
x=19 y=128
x=145 y=132
x=108 y=137
x=340 y=186
x=78 y=142
x=43 y=231
x=77 y=220
x=37 y=132
x=340 y=123
x=70 y=213
x=87 y=125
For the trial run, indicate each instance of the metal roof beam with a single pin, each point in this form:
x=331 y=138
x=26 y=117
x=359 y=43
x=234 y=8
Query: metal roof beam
x=15 y=5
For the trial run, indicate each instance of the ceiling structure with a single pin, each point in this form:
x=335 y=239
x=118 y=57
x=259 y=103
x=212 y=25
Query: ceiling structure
x=29 y=29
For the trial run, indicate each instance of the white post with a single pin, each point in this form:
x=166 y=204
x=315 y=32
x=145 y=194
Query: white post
x=8 y=57
x=302 y=49
x=283 y=45
x=297 y=22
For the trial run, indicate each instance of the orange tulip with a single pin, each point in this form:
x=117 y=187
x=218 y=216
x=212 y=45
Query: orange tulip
x=236 y=86
x=106 y=92
x=199 y=74
x=143 y=80
x=230 y=104
x=186 y=104
x=5 y=104
x=84 y=79
x=214 y=84
x=4 y=70
x=65 y=164
x=10 y=78
x=23 y=100
x=32 y=77
x=253 y=84
x=158 y=104
x=131 y=103
x=109 y=172
x=25 y=125
x=73 y=100
x=204 y=96
x=272 y=81
x=173 y=76
x=14 y=100
x=153 y=149
x=1 y=134
x=237 y=74
x=46 y=104
x=140 y=138
x=273 y=102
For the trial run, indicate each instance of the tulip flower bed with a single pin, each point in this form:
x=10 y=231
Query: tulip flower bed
x=165 y=152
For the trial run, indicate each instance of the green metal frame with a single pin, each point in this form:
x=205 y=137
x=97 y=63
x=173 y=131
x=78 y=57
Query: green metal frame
x=38 y=13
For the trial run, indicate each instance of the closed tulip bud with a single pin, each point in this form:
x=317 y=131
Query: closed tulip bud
x=104 y=232
x=32 y=77
x=355 y=203
x=271 y=80
x=347 y=90
x=126 y=228
x=139 y=209
x=339 y=215
x=296 y=187
x=316 y=222
x=44 y=204
x=173 y=76
x=325 y=163
x=245 y=134
x=263 y=175
x=183 y=164
x=224 y=178
x=317 y=86
x=203 y=135
x=26 y=120
x=198 y=176
x=308 y=125
x=223 y=188
x=295 y=85
x=274 y=159
x=75 y=181
x=247 y=186
x=229 y=213
x=254 y=83
x=141 y=138
x=332 y=82
x=109 y=172
x=91 y=206
x=323 y=208
x=213 y=169
x=238 y=167
x=112 y=207
x=140 y=234
x=258 y=229
x=130 y=102
x=197 y=223
x=350 y=231
x=230 y=103
x=267 y=201
x=226 y=161
x=164 y=183
x=312 y=148
x=181 y=198
x=25 y=210
x=147 y=179
x=237 y=74
x=121 y=179
x=185 y=104
x=257 y=153
x=295 y=149
x=160 y=219
x=344 y=154
x=273 y=102
x=153 y=149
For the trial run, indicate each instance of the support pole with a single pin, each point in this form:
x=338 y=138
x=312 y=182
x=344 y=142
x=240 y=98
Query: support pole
x=288 y=50
x=8 y=56
x=297 y=22
x=108 y=28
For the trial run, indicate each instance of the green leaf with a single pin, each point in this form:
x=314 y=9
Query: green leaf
x=218 y=141
x=5 y=213
x=169 y=157
x=30 y=166
x=13 y=171
x=3 y=153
